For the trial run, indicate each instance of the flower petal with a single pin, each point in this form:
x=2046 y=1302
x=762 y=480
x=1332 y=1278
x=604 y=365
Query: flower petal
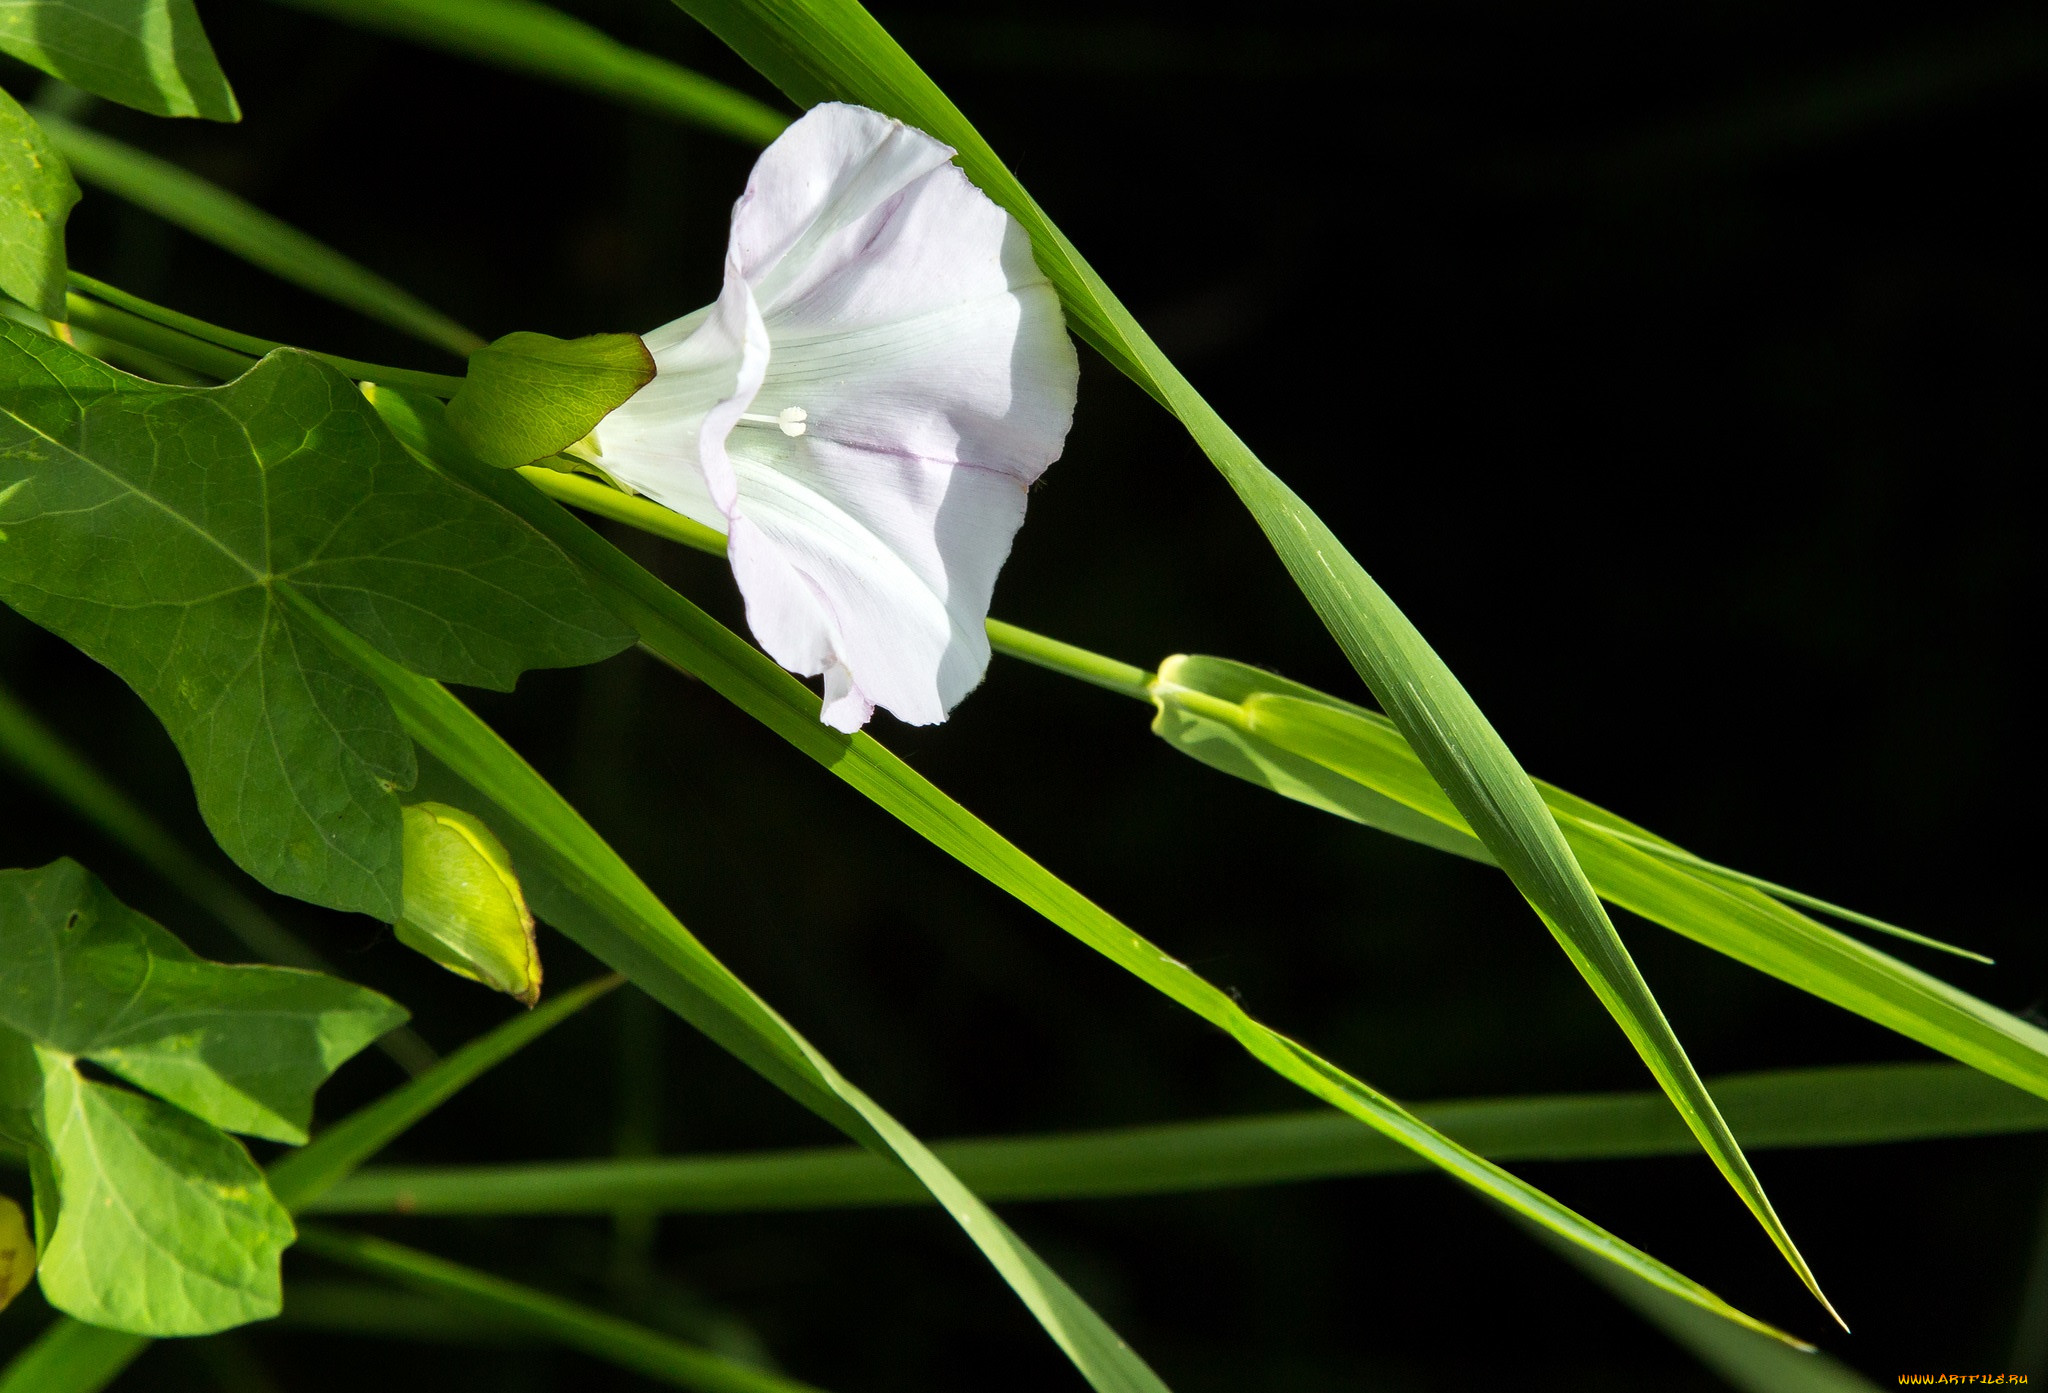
x=871 y=285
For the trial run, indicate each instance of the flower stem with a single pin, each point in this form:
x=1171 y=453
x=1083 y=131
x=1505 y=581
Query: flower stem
x=579 y=491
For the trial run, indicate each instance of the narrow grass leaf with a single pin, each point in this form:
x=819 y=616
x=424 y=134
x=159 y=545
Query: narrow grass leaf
x=543 y=42
x=676 y=631
x=612 y=913
x=602 y=1336
x=1333 y=751
x=820 y=49
x=1859 y=1105
x=202 y=208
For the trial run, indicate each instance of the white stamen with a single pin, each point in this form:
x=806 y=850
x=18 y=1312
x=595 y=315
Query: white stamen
x=790 y=419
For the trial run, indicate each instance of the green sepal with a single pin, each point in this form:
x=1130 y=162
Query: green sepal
x=529 y=396
x=463 y=905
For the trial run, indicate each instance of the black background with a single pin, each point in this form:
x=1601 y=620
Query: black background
x=1677 y=369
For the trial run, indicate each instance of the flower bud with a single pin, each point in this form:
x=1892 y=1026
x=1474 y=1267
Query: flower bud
x=463 y=907
x=17 y=1251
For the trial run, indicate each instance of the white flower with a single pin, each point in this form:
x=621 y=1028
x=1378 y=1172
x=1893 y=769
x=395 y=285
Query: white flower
x=861 y=412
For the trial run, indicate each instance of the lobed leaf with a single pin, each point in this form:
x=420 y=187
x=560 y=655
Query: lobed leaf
x=149 y=54
x=243 y=1048
x=36 y=194
x=193 y=539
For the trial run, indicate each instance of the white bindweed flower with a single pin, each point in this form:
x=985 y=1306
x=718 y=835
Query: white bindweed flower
x=861 y=412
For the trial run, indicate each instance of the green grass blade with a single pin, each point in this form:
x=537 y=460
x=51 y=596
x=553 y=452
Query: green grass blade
x=612 y=913
x=543 y=42
x=1744 y=923
x=73 y=1357
x=818 y=49
x=72 y=779
x=301 y=1177
x=602 y=1336
x=1859 y=1105
x=1747 y=1361
x=247 y=345
x=181 y=197
x=679 y=633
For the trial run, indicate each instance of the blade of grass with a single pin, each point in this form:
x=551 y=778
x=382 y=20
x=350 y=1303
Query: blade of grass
x=610 y=911
x=182 y=198
x=544 y=42
x=602 y=1336
x=432 y=383
x=72 y=779
x=1746 y=1361
x=1744 y=923
x=1859 y=1105
x=817 y=50
x=73 y=1357
x=679 y=633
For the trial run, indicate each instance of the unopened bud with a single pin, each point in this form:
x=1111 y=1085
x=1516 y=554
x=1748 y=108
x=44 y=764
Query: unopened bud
x=463 y=907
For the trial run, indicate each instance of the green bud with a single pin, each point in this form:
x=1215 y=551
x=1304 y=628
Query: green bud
x=17 y=1251
x=463 y=907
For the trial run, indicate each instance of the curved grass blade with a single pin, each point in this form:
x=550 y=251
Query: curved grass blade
x=679 y=633
x=816 y=50
x=181 y=197
x=543 y=42
x=73 y=1357
x=612 y=913
x=1744 y=923
x=1747 y=1361
x=1859 y=1105
x=602 y=1336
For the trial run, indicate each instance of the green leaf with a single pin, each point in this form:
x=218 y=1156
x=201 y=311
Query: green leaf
x=679 y=633
x=529 y=396
x=1859 y=1105
x=242 y=1047
x=658 y=1357
x=36 y=194
x=148 y=54
x=149 y=1220
x=181 y=197
x=189 y=539
x=543 y=42
x=152 y=1219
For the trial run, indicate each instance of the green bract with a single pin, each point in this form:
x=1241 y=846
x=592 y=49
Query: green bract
x=36 y=194
x=148 y=54
x=463 y=906
x=529 y=396
x=208 y=544
x=150 y=1217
